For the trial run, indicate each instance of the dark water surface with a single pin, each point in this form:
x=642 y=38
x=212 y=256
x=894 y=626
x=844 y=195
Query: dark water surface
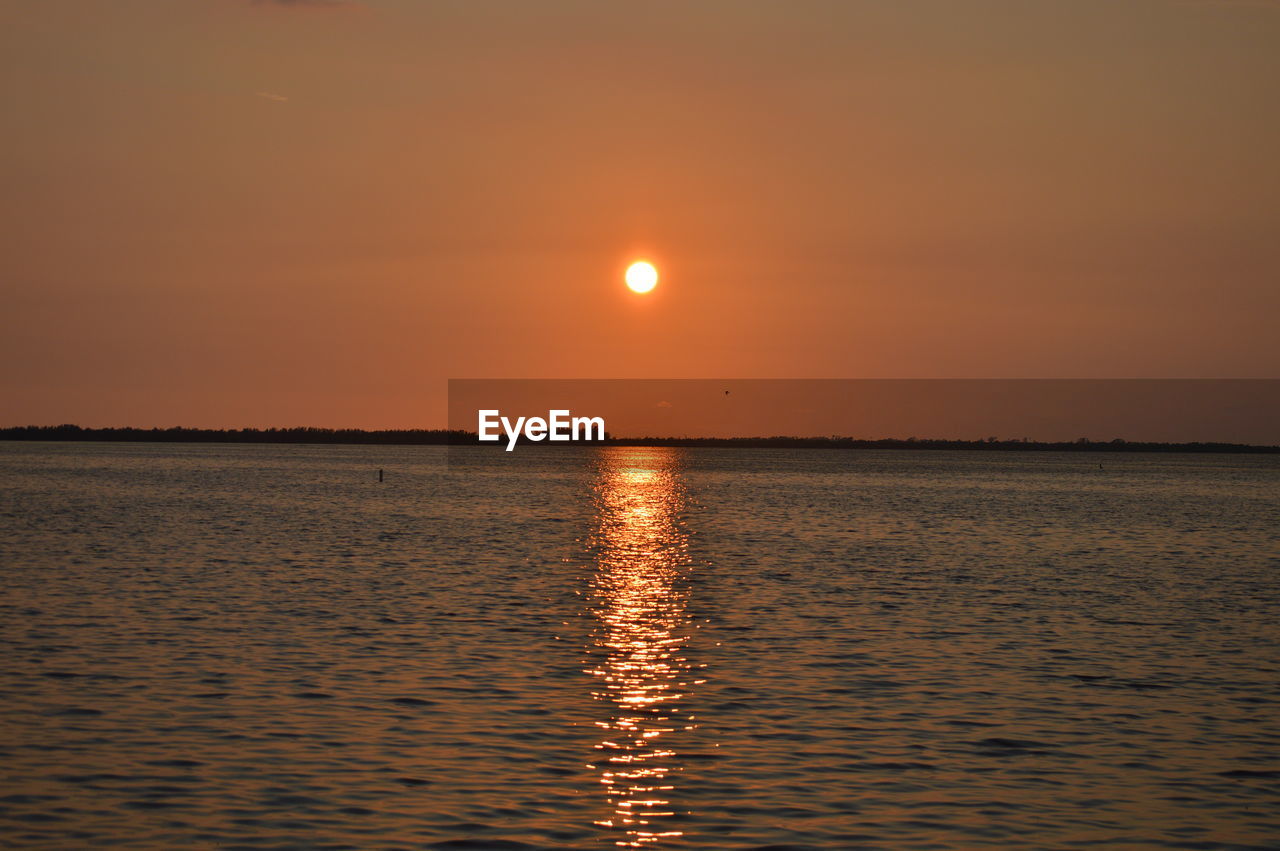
x=263 y=647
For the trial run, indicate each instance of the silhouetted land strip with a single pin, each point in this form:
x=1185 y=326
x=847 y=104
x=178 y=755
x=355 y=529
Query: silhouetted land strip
x=423 y=437
x=444 y=437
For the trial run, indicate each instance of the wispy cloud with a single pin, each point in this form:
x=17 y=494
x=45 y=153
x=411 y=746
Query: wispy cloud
x=1238 y=4
x=315 y=4
x=272 y=96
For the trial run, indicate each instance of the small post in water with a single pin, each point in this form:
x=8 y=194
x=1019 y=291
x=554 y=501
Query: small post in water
x=379 y=474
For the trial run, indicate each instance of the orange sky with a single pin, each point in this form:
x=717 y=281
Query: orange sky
x=225 y=213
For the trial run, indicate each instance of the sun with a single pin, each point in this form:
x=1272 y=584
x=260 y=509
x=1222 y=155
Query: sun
x=641 y=276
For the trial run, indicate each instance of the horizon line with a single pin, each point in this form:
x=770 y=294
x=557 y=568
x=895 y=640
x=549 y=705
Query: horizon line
x=70 y=432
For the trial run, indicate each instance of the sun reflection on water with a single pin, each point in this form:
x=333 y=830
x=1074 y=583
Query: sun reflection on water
x=637 y=651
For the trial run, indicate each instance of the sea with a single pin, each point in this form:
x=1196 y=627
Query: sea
x=268 y=647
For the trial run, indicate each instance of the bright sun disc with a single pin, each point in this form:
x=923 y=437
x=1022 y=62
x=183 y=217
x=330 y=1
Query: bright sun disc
x=641 y=276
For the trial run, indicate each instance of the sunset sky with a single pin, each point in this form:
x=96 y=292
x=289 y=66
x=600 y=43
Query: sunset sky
x=229 y=213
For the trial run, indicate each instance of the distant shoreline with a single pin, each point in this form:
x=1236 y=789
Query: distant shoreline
x=448 y=437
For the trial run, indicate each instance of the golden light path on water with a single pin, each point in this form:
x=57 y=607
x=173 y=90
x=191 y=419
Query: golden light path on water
x=639 y=598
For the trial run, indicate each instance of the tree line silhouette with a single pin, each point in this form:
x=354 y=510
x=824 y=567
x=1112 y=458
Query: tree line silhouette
x=237 y=435
x=457 y=437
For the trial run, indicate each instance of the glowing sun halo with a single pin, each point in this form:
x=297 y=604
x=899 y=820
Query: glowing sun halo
x=641 y=276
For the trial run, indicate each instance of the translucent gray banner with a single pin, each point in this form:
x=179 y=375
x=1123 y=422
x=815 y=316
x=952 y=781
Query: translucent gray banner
x=1244 y=411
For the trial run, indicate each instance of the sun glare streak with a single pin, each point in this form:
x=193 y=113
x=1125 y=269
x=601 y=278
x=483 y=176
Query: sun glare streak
x=639 y=598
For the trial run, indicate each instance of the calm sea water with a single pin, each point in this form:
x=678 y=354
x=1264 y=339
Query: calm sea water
x=265 y=647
